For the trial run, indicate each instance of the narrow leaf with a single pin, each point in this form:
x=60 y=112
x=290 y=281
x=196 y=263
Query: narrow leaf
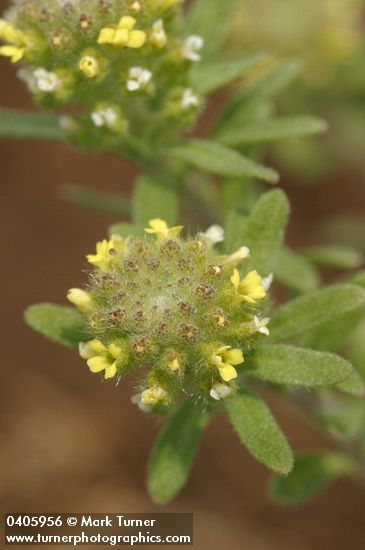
x=263 y=231
x=219 y=160
x=125 y=230
x=246 y=104
x=273 y=130
x=96 y=200
x=210 y=19
x=259 y=432
x=314 y=310
x=209 y=77
x=60 y=324
x=338 y=257
x=174 y=451
x=311 y=474
x=28 y=125
x=295 y=271
x=291 y=366
x=153 y=199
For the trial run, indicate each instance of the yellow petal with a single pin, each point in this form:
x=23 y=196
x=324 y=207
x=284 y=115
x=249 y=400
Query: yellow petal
x=227 y=372
x=115 y=350
x=156 y=225
x=89 y=66
x=97 y=347
x=15 y=54
x=121 y=37
x=80 y=298
x=174 y=231
x=106 y=36
x=127 y=22
x=111 y=371
x=235 y=279
x=136 y=39
x=251 y=281
x=233 y=357
x=98 y=363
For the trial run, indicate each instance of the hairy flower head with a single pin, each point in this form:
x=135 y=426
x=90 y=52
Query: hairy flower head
x=164 y=305
x=103 y=52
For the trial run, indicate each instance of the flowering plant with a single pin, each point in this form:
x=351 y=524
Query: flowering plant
x=188 y=314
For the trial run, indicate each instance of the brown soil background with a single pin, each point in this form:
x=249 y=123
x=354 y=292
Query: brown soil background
x=71 y=443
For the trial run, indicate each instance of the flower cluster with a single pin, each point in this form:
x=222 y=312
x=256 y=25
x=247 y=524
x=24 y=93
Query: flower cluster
x=125 y=62
x=173 y=308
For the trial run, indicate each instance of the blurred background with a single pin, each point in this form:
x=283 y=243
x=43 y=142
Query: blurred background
x=72 y=443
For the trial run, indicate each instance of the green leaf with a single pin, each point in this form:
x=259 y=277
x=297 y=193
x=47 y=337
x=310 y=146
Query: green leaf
x=315 y=310
x=96 y=200
x=341 y=415
x=28 y=125
x=333 y=334
x=311 y=474
x=295 y=271
x=210 y=19
x=262 y=232
x=209 y=77
x=291 y=366
x=125 y=230
x=173 y=453
x=153 y=199
x=60 y=324
x=353 y=385
x=272 y=130
x=338 y=257
x=234 y=231
x=252 y=101
x=259 y=432
x=217 y=159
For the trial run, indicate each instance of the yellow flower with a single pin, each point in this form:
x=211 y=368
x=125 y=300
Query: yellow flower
x=89 y=66
x=162 y=231
x=16 y=41
x=153 y=395
x=123 y=35
x=80 y=298
x=250 y=288
x=225 y=358
x=100 y=358
x=102 y=258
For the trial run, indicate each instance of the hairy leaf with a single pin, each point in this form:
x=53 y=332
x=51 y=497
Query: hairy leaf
x=61 y=324
x=28 y=125
x=174 y=451
x=262 y=231
x=272 y=130
x=209 y=77
x=291 y=366
x=125 y=230
x=295 y=271
x=315 y=310
x=259 y=432
x=96 y=200
x=153 y=199
x=217 y=159
x=311 y=474
x=338 y=257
